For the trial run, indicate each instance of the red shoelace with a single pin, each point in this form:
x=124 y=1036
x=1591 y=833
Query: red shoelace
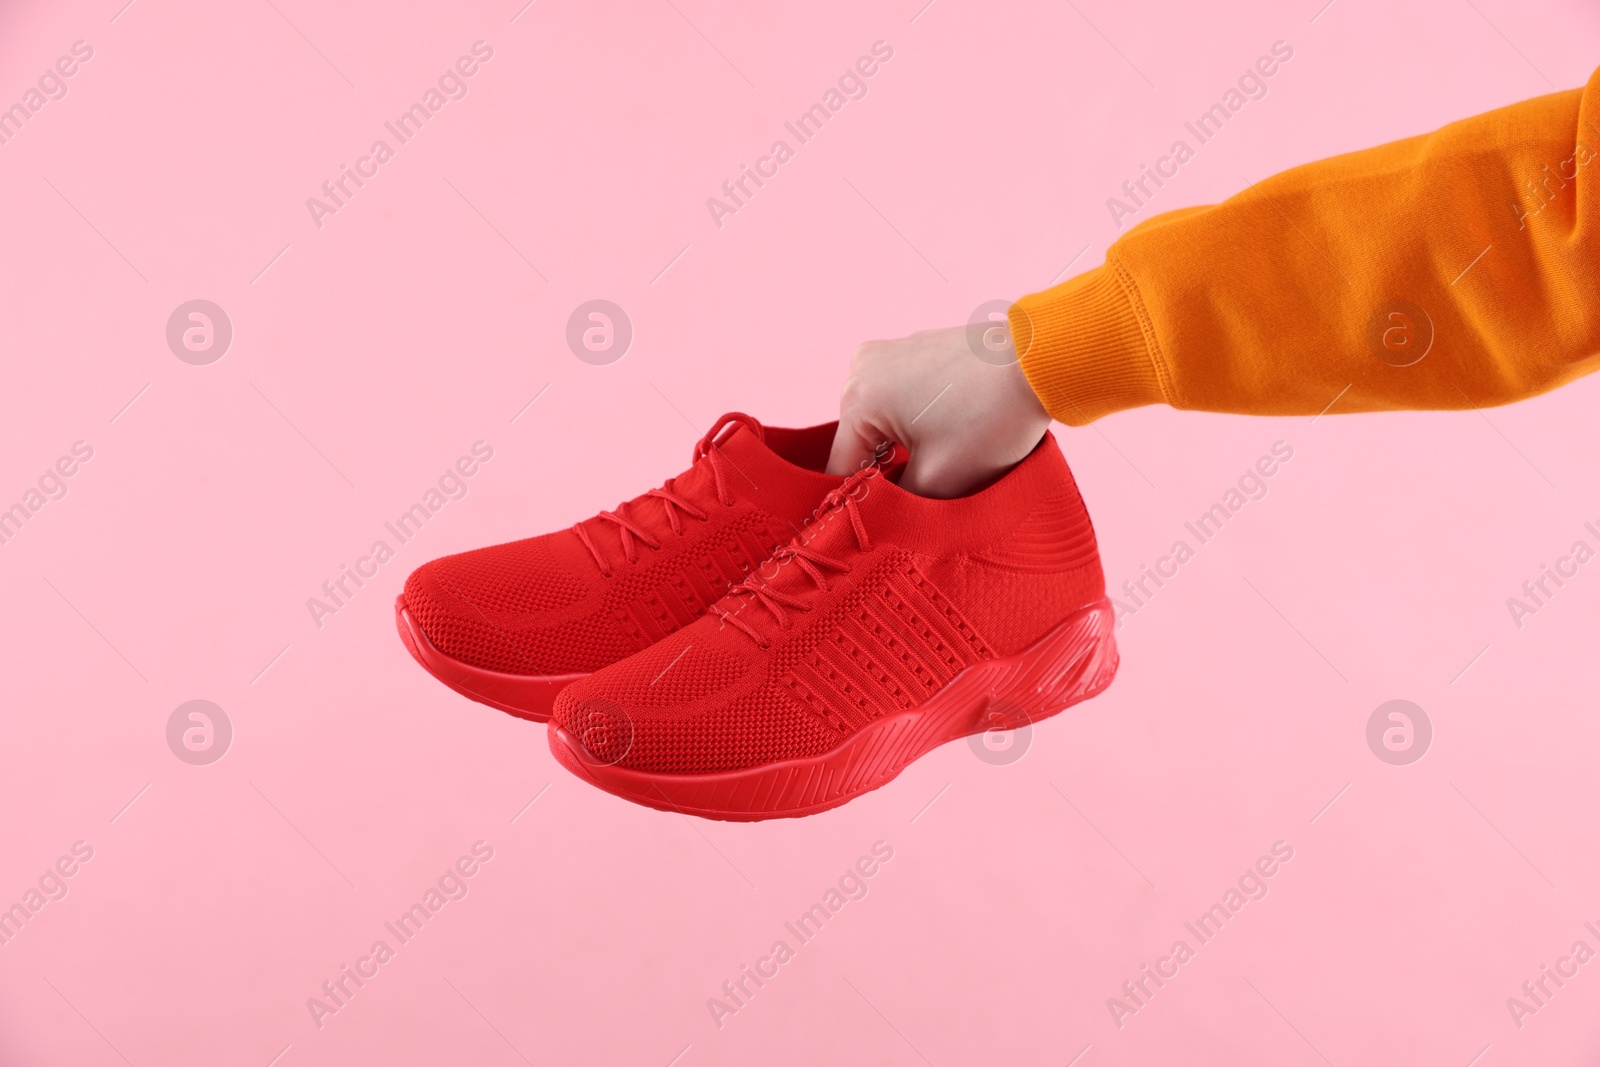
x=812 y=564
x=671 y=501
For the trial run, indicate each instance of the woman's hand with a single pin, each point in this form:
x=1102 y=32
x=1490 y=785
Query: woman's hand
x=964 y=419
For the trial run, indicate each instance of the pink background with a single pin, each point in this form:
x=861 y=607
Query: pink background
x=421 y=318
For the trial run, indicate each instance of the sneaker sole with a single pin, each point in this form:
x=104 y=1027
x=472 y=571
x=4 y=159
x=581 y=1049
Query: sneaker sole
x=527 y=696
x=1074 y=662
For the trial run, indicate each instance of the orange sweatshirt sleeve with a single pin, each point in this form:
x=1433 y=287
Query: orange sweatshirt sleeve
x=1452 y=270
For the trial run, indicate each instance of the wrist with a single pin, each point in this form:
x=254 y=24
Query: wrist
x=1084 y=348
x=1024 y=400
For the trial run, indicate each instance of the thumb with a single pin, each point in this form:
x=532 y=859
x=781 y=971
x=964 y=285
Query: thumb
x=932 y=472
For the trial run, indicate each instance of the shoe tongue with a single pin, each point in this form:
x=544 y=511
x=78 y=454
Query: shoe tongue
x=697 y=486
x=740 y=449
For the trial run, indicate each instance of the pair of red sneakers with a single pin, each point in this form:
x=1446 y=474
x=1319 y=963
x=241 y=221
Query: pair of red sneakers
x=758 y=639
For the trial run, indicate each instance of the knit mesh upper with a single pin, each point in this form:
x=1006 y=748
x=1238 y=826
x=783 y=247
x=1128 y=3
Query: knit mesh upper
x=944 y=585
x=543 y=606
x=527 y=607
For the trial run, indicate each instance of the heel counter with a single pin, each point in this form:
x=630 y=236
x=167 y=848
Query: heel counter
x=1018 y=588
x=1061 y=513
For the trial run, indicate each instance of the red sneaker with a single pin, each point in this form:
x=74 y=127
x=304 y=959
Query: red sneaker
x=510 y=625
x=892 y=624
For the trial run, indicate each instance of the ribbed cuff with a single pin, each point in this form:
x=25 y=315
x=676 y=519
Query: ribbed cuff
x=1083 y=349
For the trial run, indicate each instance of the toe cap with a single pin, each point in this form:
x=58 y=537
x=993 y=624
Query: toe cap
x=489 y=607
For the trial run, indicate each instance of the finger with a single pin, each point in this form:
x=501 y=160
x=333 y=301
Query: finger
x=932 y=474
x=853 y=443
